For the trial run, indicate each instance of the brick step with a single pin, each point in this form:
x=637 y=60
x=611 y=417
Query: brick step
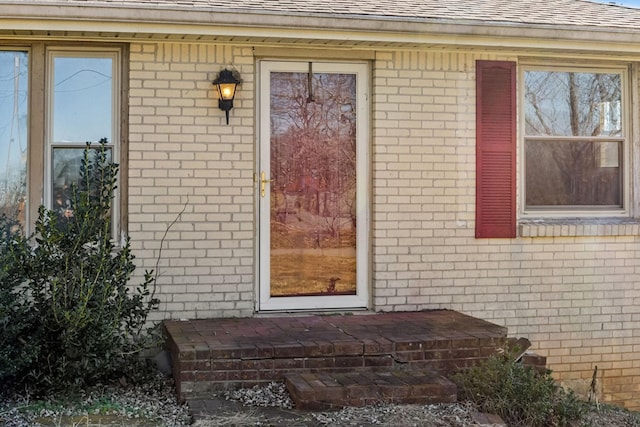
x=218 y=354
x=329 y=390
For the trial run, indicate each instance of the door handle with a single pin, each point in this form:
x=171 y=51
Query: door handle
x=263 y=182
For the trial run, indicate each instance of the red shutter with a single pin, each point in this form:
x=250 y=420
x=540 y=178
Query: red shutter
x=495 y=149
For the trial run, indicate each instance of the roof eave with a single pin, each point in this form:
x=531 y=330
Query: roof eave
x=131 y=23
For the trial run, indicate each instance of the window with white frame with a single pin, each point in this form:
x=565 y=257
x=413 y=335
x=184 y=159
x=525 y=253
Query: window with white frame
x=53 y=100
x=575 y=141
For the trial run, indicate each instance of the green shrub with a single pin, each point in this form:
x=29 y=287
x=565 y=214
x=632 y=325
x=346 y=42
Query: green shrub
x=75 y=283
x=19 y=347
x=519 y=394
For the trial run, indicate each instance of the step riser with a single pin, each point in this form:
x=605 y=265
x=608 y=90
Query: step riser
x=327 y=391
x=205 y=375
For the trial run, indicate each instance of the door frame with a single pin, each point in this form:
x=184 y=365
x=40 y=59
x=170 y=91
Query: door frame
x=361 y=300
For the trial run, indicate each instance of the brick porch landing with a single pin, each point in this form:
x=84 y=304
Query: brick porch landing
x=214 y=354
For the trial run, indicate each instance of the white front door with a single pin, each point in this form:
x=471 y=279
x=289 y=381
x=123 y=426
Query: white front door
x=313 y=185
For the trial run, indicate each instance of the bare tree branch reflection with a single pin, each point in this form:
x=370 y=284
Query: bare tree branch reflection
x=573 y=147
x=313 y=189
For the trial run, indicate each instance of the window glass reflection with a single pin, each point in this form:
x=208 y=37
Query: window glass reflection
x=573 y=173
x=574 y=140
x=573 y=104
x=82 y=99
x=13 y=135
x=67 y=164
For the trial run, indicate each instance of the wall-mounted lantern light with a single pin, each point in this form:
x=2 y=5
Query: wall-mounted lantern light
x=226 y=83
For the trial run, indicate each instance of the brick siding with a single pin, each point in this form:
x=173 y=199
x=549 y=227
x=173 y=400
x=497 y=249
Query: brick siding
x=184 y=156
x=575 y=297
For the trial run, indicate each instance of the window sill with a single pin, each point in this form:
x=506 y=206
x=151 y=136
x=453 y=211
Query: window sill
x=575 y=227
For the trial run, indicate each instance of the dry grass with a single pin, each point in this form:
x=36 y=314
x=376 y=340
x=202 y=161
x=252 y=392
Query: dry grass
x=248 y=418
x=300 y=273
x=94 y=421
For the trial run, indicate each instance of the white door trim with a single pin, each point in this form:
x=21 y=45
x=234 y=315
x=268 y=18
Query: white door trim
x=361 y=299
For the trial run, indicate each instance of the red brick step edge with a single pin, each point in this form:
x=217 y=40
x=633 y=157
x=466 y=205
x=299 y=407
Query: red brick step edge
x=327 y=390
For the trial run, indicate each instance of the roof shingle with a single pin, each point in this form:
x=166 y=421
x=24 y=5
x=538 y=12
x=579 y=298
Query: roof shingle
x=536 y=12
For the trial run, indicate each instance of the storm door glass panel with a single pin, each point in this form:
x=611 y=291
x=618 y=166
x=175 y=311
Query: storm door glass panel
x=13 y=135
x=313 y=184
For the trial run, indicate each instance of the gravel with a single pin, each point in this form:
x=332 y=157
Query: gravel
x=272 y=395
x=154 y=405
x=439 y=415
x=150 y=404
x=445 y=415
x=276 y=395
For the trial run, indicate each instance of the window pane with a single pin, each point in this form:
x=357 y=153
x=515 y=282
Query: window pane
x=67 y=163
x=572 y=104
x=13 y=134
x=573 y=173
x=82 y=99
